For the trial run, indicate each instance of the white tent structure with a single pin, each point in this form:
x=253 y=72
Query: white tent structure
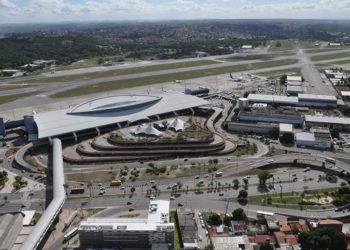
x=177 y=124
x=148 y=130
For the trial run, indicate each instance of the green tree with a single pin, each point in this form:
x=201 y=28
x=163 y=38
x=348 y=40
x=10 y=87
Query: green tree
x=283 y=79
x=235 y=184
x=242 y=195
x=263 y=176
x=323 y=239
x=266 y=246
x=239 y=214
x=215 y=219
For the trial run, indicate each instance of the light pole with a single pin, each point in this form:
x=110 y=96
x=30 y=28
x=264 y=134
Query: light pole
x=281 y=191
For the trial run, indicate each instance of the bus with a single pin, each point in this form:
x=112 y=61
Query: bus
x=115 y=183
x=263 y=214
x=77 y=190
x=70 y=234
x=330 y=160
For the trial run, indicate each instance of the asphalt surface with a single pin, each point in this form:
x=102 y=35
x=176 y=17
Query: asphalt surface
x=309 y=72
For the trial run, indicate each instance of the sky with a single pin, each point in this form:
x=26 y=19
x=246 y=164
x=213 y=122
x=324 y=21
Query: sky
x=24 y=11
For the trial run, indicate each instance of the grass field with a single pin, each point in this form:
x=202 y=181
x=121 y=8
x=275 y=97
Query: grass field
x=308 y=45
x=330 y=56
x=119 y=72
x=326 y=49
x=135 y=82
x=277 y=73
x=340 y=62
x=285 y=45
x=85 y=63
x=249 y=57
x=290 y=199
x=10 y=98
x=10 y=87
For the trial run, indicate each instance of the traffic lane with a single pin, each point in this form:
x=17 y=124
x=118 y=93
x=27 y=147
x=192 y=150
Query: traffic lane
x=290 y=181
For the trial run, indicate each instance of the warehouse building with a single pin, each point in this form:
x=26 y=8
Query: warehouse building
x=294 y=90
x=271 y=116
x=131 y=233
x=294 y=79
x=286 y=128
x=310 y=100
x=343 y=123
x=245 y=127
x=316 y=139
x=306 y=100
x=273 y=99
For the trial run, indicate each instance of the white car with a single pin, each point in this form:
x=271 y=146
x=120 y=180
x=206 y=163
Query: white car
x=152 y=197
x=172 y=198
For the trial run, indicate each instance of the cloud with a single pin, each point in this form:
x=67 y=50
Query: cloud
x=72 y=10
x=7 y=4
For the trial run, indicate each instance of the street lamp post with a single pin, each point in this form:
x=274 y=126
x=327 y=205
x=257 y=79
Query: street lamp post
x=281 y=191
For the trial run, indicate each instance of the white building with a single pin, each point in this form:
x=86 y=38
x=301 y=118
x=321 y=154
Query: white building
x=286 y=128
x=305 y=100
x=294 y=79
x=132 y=232
x=294 y=90
x=327 y=121
x=312 y=140
x=247 y=46
x=111 y=111
x=334 y=44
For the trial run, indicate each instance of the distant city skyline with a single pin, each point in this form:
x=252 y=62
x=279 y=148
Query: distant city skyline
x=24 y=11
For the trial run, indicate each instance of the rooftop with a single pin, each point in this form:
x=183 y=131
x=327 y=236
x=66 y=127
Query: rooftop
x=111 y=110
x=114 y=103
x=294 y=78
x=158 y=219
x=305 y=136
x=330 y=222
x=294 y=88
x=272 y=98
x=286 y=128
x=317 y=97
x=327 y=119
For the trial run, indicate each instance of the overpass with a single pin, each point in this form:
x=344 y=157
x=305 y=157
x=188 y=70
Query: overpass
x=59 y=197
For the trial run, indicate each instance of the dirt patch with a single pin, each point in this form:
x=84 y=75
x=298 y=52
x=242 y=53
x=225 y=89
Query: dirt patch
x=322 y=201
x=11 y=152
x=98 y=176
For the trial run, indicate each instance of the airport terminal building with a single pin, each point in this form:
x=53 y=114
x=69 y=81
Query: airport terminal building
x=131 y=233
x=111 y=112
